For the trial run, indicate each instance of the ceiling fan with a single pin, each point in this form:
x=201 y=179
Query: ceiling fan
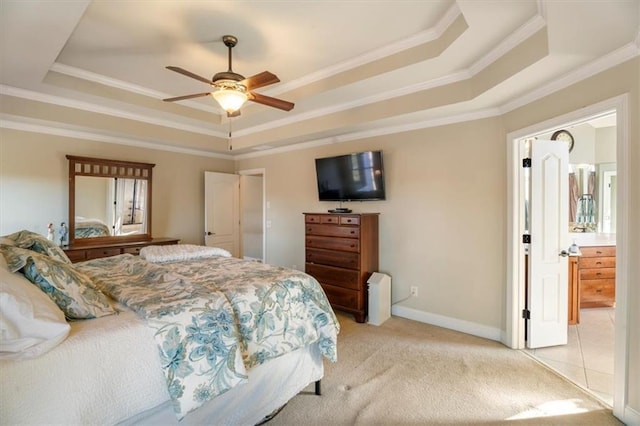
x=232 y=90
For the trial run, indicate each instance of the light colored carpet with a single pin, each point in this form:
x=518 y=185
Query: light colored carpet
x=406 y=372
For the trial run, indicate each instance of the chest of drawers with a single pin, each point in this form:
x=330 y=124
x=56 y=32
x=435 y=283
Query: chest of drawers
x=341 y=252
x=597 y=276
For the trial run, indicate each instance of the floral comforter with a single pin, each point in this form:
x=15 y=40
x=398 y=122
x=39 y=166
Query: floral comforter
x=215 y=318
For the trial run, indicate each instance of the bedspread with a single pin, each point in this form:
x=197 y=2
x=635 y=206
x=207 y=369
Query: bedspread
x=215 y=318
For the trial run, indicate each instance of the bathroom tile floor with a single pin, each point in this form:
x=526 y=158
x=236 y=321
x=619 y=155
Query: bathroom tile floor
x=587 y=358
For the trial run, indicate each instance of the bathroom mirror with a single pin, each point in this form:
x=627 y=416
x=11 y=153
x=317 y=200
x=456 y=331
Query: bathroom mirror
x=109 y=201
x=592 y=197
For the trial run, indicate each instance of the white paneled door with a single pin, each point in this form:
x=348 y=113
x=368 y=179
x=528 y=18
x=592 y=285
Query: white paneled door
x=221 y=211
x=548 y=271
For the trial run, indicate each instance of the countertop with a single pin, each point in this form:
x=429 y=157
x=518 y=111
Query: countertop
x=586 y=239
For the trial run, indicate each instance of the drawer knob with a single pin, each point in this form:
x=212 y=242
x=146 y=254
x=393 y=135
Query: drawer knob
x=598 y=263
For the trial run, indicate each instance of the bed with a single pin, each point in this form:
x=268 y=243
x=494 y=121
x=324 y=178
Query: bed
x=121 y=368
x=89 y=228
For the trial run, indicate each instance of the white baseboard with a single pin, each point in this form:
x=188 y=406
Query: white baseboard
x=468 y=327
x=631 y=417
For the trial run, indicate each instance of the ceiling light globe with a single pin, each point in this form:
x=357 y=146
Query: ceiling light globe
x=230 y=100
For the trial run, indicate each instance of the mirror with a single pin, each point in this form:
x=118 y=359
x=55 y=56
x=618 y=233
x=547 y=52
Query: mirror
x=108 y=201
x=592 y=197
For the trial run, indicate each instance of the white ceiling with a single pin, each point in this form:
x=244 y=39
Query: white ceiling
x=96 y=69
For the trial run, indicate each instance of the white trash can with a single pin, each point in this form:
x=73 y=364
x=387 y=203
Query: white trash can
x=379 y=298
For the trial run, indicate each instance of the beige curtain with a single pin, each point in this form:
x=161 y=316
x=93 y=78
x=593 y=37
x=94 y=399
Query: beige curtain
x=573 y=197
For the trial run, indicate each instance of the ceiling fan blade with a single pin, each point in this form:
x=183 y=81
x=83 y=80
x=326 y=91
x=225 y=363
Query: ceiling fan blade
x=265 y=78
x=189 y=74
x=269 y=101
x=180 y=98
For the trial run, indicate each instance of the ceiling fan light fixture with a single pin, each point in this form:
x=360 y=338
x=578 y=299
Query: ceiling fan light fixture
x=230 y=100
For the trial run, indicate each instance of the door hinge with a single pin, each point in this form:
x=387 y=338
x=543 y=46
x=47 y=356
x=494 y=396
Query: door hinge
x=526 y=163
x=526 y=314
x=526 y=239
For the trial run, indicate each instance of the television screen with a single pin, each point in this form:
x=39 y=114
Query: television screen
x=352 y=177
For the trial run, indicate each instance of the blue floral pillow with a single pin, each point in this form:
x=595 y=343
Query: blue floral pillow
x=38 y=243
x=73 y=291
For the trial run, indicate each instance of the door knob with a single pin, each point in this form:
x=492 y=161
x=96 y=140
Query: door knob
x=564 y=253
x=208 y=233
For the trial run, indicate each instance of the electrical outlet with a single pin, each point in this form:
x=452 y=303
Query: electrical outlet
x=414 y=291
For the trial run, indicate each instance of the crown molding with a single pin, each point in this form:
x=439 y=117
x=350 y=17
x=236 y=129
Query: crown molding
x=597 y=66
x=415 y=40
x=8 y=121
x=452 y=13
x=378 y=97
x=525 y=31
x=123 y=85
x=99 y=109
x=531 y=27
x=388 y=130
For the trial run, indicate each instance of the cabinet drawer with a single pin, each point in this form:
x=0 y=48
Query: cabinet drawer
x=598 y=262
x=333 y=243
x=598 y=251
x=312 y=218
x=597 y=273
x=595 y=293
x=102 y=252
x=333 y=231
x=342 y=298
x=339 y=277
x=333 y=258
x=132 y=250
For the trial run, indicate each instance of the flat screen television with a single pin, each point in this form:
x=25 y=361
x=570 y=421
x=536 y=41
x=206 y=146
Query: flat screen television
x=351 y=177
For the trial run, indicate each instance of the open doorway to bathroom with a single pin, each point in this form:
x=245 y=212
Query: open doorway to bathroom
x=588 y=357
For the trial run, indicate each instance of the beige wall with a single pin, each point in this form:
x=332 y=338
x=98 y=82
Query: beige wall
x=34 y=190
x=441 y=227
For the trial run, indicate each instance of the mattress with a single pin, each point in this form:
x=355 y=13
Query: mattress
x=108 y=372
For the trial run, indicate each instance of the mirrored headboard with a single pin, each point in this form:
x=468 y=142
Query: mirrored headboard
x=109 y=201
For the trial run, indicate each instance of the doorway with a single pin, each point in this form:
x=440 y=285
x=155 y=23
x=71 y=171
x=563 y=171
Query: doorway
x=515 y=324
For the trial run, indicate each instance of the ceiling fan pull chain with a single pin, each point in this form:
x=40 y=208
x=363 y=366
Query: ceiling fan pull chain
x=230 y=142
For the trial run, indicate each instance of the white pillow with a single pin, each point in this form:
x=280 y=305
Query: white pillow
x=31 y=324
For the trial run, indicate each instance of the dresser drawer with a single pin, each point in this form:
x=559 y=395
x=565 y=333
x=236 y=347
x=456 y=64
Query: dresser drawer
x=597 y=273
x=333 y=243
x=132 y=250
x=349 y=220
x=333 y=231
x=333 y=258
x=312 y=218
x=598 y=251
x=102 y=252
x=76 y=255
x=598 y=262
x=341 y=297
x=334 y=219
x=338 y=277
